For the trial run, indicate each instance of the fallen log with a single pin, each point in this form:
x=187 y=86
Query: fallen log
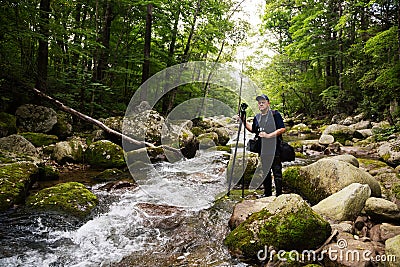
x=98 y=123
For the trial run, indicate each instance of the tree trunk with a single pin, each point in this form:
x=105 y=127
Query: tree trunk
x=43 y=50
x=105 y=41
x=147 y=49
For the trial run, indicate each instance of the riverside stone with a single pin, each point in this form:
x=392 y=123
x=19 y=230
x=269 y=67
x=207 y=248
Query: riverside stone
x=392 y=250
x=33 y=118
x=345 y=204
x=288 y=222
x=382 y=209
x=325 y=177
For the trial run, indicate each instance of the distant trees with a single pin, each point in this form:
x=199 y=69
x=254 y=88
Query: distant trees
x=94 y=54
x=335 y=56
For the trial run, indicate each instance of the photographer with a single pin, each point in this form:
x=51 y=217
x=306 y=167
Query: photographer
x=269 y=126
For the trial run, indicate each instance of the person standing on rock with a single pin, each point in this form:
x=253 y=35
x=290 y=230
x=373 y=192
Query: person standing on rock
x=269 y=126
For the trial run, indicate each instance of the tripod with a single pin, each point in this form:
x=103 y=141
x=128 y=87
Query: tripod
x=242 y=114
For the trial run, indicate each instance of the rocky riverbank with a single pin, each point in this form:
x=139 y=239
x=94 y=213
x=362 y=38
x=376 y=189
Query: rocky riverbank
x=350 y=195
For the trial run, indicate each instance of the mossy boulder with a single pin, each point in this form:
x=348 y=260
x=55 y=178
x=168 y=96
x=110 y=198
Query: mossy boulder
x=40 y=139
x=67 y=198
x=208 y=140
x=33 y=118
x=250 y=162
x=287 y=223
x=69 y=151
x=15 y=180
x=63 y=127
x=109 y=175
x=16 y=143
x=105 y=154
x=8 y=124
x=325 y=177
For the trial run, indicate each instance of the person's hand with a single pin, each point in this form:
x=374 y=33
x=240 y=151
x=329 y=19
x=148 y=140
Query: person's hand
x=265 y=135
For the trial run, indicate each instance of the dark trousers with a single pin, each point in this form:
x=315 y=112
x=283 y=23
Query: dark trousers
x=276 y=169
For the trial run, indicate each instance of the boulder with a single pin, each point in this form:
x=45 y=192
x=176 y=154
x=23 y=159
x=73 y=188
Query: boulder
x=18 y=144
x=326 y=139
x=382 y=210
x=392 y=252
x=104 y=154
x=247 y=207
x=223 y=135
x=341 y=133
x=67 y=198
x=250 y=162
x=361 y=125
x=390 y=152
x=15 y=180
x=69 y=151
x=8 y=124
x=33 y=118
x=346 y=158
x=384 y=231
x=345 y=204
x=63 y=127
x=208 y=140
x=287 y=223
x=146 y=125
x=325 y=177
x=177 y=134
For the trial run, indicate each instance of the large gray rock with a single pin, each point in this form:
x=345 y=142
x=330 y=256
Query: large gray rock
x=325 y=177
x=390 y=152
x=345 y=204
x=326 y=139
x=346 y=158
x=382 y=210
x=147 y=125
x=18 y=144
x=33 y=118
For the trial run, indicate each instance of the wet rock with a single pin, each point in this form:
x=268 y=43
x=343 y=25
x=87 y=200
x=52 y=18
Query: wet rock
x=325 y=177
x=15 y=180
x=105 y=154
x=18 y=144
x=33 y=118
x=68 y=198
x=117 y=185
x=208 y=140
x=108 y=175
x=345 y=204
x=382 y=210
x=8 y=124
x=250 y=162
x=246 y=208
x=223 y=135
x=286 y=223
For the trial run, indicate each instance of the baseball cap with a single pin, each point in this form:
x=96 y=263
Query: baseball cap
x=262 y=97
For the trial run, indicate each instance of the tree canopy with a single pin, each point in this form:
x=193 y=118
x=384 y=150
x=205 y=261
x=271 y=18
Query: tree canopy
x=330 y=56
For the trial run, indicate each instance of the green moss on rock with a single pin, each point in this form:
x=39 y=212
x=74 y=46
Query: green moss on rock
x=40 y=139
x=69 y=198
x=105 y=154
x=287 y=223
x=15 y=180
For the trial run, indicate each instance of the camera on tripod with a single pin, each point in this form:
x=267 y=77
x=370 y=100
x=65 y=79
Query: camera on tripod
x=243 y=106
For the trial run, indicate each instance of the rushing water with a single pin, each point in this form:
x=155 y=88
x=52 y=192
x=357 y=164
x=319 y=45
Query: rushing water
x=133 y=227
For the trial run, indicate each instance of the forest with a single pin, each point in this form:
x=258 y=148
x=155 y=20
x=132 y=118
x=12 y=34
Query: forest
x=328 y=57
